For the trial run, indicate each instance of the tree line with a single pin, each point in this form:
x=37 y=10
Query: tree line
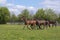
x=49 y=14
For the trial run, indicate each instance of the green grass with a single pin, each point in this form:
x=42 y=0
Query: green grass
x=15 y=32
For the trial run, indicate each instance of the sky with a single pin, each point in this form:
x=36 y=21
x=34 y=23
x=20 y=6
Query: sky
x=16 y=6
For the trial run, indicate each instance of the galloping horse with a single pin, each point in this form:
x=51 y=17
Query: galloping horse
x=54 y=23
x=34 y=23
x=28 y=22
x=42 y=22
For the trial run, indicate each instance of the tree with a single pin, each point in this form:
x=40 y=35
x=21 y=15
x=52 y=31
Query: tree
x=25 y=13
x=4 y=15
x=13 y=18
x=19 y=17
x=58 y=19
x=40 y=14
x=50 y=14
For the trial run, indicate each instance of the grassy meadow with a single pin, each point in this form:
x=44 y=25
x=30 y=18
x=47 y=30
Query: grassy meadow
x=15 y=32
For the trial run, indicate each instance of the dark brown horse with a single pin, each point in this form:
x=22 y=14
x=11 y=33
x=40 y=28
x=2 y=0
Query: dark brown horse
x=42 y=22
x=53 y=23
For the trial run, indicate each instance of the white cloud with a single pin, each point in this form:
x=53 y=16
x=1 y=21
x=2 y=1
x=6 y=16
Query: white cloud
x=14 y=10
x=31 y=8
x=3 y=1
x=14 y=7
x=9 y=4
x=18 y=8
x=54 y=4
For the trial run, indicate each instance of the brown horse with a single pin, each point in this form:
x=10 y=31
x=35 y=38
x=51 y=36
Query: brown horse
x=53 y=23
x=28 y=22
x=42 y=22
x=34 y=23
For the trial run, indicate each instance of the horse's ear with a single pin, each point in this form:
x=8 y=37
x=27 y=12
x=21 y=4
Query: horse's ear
x=22 y=17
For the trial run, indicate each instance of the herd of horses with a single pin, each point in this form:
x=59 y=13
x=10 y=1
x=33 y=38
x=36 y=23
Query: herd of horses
x=35 y=22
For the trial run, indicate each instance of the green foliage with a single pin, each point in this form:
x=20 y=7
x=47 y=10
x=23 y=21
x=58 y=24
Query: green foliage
x=58 y=19
x=19 y=17
x=4 y=15
x=25 y=13
x=13 y=18
x=50 y=14
x=40 y=14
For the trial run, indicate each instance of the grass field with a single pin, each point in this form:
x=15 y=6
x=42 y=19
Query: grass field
x=15 y=32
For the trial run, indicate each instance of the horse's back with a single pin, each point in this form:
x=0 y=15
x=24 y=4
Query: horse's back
x=42 y=21
x=32 y=21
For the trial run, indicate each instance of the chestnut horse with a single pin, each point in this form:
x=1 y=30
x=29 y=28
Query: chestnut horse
x=29 y=22
x=34 y=23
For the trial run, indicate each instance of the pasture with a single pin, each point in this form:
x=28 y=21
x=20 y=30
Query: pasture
x=15 y=32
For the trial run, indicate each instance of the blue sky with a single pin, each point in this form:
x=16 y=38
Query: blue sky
x=17 y=6
x=26 y=2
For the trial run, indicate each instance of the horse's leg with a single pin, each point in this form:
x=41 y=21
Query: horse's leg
x=35 y=26
x=24 y=27
x=55 y=24
x=49 y=25
x=44 y=26
x=28 y=27
x=39 y=26
x=31 y=26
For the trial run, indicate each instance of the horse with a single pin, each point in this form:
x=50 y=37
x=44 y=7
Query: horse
x=34 y=22
x=28 y=22
x=42 y=22
x=53 y=23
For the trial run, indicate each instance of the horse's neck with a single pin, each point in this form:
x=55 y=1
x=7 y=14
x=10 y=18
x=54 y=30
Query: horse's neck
x=25 y=20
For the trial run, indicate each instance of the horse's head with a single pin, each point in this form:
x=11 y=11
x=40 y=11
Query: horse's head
x=23 y=18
